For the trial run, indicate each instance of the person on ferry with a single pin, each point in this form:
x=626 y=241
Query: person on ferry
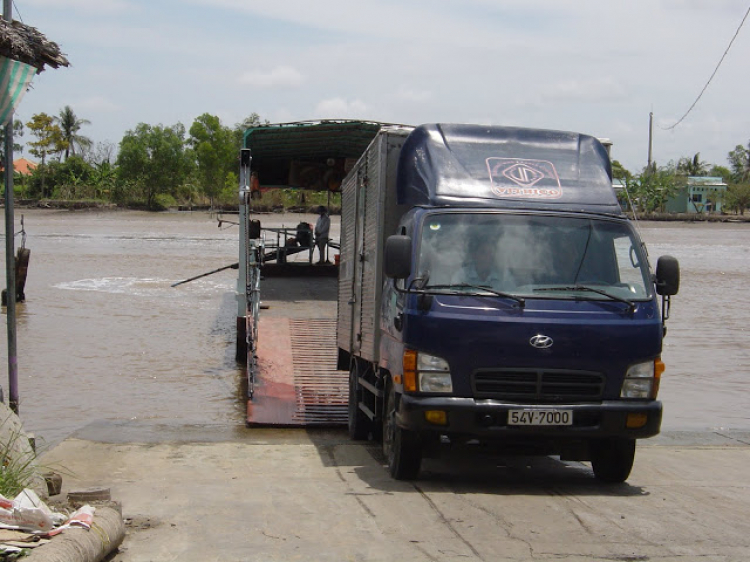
x=322 y=229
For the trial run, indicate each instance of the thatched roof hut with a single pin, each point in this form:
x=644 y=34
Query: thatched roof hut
x=28 y=45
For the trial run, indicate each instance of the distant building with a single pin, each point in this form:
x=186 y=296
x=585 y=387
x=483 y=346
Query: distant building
x=700 y=195
x=22 y=166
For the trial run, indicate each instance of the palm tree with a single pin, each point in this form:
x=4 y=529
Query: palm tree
x=70 y=125
x=692 y=166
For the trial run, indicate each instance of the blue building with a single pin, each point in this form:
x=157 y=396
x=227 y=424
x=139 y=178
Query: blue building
x=699 y=195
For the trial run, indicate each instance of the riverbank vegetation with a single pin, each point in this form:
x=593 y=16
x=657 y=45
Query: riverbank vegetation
x=649 y=191
x=158 y=167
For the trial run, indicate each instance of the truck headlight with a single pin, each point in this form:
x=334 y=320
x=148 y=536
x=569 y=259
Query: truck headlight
x=642 y=380
x=433 y=374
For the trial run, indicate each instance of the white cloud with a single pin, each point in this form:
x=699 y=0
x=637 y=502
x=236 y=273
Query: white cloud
x=709 y=5
x=599 y=90
x=98 y=104
x=87 y=6
x=339 y=107
x=281 y=76
x=418 y=96
x=283 y=115
x=368 y=19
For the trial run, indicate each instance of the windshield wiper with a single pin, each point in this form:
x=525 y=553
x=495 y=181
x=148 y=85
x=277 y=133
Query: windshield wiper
x=588 y=289
x=520 y=300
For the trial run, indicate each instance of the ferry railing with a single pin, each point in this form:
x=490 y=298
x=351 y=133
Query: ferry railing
x=255 y=249
x=248 y=284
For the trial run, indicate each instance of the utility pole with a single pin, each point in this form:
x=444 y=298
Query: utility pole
x=650 y=140
x=10 y=251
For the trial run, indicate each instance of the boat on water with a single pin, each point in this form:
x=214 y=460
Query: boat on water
x=286 y=304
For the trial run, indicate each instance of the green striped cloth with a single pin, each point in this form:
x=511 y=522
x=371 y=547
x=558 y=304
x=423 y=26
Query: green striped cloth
x=15 y=78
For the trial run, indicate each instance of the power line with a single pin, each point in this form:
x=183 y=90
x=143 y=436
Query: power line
x=736 y=33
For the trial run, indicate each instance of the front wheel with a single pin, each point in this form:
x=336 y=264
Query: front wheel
x=612 y=459
x=401 y=447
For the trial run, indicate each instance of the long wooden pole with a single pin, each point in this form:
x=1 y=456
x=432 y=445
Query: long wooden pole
x=10 y=250
x=650 y=141
x=232 y=266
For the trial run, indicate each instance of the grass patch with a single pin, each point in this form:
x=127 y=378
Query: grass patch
x=17 y=468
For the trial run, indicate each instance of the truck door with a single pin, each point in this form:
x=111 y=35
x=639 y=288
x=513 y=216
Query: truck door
x=359 y=264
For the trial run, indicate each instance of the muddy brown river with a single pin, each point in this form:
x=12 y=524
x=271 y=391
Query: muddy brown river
x=103 y=335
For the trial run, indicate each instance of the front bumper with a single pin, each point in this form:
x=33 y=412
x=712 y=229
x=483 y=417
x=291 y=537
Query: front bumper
x=488 y=419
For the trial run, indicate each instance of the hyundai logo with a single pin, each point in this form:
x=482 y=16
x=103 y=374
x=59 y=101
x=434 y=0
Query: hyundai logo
x=541 y=342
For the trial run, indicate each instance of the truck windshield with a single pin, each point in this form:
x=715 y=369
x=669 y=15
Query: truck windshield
x=536 y=256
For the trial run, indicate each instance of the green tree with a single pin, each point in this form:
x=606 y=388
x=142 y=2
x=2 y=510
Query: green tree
x=252 y=120
x=692 y=166
x=739 y=162
x=69 y=179
x=70 y=125
x=737 y=198
x=215 y=150
x=153 y=160
x=654 y=187
x=49 y=140
x=619 y=171
x=49 y=137
x=721 y=172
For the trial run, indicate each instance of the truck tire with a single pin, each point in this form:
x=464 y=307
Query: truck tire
x=612 y=459
x=401 y=447
x=359 y=423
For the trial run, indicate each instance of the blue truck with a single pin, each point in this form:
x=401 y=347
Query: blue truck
x=492 y=290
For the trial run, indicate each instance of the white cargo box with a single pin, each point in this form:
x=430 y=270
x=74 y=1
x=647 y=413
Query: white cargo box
x=369 y=215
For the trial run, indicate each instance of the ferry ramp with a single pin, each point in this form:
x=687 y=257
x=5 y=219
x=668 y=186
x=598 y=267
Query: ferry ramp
x=296 y=383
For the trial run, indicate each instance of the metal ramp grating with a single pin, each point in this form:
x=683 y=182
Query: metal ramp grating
x=322 y=392
x=297 y=382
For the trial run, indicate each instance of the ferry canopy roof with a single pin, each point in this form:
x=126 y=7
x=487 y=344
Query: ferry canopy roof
x=309 y=154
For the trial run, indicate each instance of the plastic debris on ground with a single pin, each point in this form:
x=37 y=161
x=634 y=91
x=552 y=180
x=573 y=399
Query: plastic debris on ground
x=27 y=522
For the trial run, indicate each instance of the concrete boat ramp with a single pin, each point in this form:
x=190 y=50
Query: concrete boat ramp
x=224 y=493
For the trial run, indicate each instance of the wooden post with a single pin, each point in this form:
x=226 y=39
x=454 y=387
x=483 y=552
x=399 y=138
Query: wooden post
x=10 y=254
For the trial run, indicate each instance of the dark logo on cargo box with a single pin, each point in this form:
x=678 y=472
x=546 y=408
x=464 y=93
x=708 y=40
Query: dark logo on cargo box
x=524 y=179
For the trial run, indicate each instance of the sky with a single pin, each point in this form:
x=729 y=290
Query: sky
x=591 y=66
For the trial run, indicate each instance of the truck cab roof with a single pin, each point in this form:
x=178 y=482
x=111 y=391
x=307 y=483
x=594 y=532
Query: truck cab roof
x=505 y=167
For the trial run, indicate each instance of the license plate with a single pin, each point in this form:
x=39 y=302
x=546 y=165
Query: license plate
x=540 y=417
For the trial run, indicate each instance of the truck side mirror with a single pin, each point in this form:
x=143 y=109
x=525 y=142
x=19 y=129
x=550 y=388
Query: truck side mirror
x=667 y=276
x=398 y=256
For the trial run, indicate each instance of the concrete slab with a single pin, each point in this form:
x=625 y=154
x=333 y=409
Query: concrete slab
x=304 y=494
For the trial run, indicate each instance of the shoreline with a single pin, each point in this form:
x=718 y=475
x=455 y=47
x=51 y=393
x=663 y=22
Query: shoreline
x=60 y=205
x=98 y=206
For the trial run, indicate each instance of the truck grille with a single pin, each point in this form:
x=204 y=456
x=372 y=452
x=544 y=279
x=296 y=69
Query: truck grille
x=538 y=385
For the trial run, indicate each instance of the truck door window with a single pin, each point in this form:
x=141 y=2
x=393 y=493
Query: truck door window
x=629 y=266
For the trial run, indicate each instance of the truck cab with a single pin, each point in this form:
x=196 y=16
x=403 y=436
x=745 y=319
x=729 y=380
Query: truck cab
x=518 y=305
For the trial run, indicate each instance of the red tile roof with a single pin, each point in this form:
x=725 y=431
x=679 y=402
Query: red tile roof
x=22 y=166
